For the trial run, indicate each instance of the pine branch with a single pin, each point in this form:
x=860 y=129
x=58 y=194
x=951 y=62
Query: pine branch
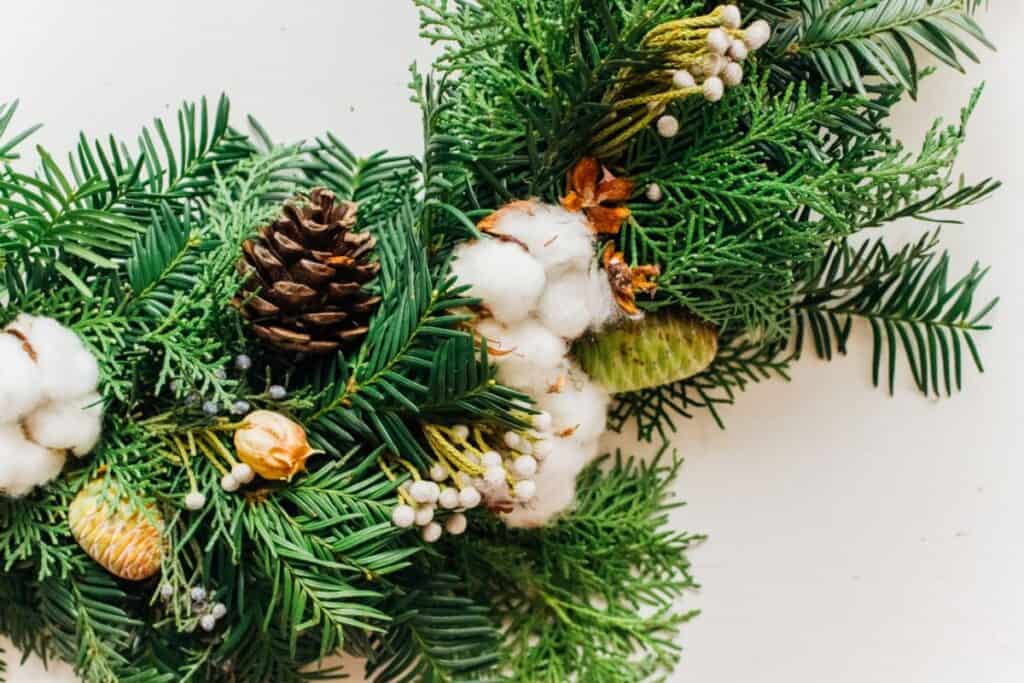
x=8 y=146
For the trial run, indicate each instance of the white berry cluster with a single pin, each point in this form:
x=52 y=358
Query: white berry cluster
x=49 y=404
x=542 y=288
x=720 y=63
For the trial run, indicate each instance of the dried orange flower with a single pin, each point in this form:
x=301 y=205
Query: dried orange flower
x=272 y=445
x=598 y=197
x=628 y=281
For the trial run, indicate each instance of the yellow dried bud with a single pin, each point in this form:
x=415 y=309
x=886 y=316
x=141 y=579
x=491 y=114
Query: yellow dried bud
x=124 y=541
x=272 y=445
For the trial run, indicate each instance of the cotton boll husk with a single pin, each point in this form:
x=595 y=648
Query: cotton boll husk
x=20 y=386
x=503 y=274
x=563 y=306
x=23 y=464
x=66 y=367
x=74 y=425
x=560 y=239
x=556 y=486
x=579 y=409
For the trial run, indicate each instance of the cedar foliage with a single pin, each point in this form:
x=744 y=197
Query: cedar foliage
x=135 y=246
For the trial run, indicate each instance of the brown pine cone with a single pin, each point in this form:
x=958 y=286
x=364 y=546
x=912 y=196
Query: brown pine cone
x=306 y=275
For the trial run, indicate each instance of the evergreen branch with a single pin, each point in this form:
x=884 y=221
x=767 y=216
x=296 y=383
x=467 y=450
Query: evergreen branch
x=589 y=597
x=849 y=40
x=909 y=303
x=8 y=146
x=438 y=635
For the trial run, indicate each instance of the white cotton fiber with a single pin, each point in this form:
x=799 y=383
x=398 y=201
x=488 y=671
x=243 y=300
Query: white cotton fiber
x=580 y=409
x=563 y=305
x=23 y=464
x=525 y=343
x=67 y=368
x=556 y=486
x=20 y=389
x=74 y=425
x=503 y=274
x=600 y=299
x=558 y=238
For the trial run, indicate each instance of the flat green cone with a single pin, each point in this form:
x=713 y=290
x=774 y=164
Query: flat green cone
x=664 y=347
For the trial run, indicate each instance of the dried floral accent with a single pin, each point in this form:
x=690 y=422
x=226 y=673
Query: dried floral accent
x=593 y=190
x=123 y=540
x=628 y=281
x=272 y=445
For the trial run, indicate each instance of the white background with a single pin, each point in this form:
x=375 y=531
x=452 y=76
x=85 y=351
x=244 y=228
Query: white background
x=854 y=537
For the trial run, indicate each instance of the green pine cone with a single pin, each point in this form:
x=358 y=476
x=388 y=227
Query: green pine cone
x=663 y=347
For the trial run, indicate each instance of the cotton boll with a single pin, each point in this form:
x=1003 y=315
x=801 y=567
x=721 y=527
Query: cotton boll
x=74 y=425
x=67 y=368
x=579 y=409
x=23 y=464
x=502 y=274
x=600 y=299
x=20 y=388
x=527 y=353
x=555 y=487
x=563 y=308
x=558 y=238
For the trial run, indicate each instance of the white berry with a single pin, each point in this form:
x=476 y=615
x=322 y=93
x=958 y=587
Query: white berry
x=512 y=439
x=683 y=79
x=757 y=34
x=449 y=499
x=525 y=466
x=243 y=473
x=491 y=459
x=424 y=515
x=166 y=591
x=495 y=476
x=542 y=449
x=219 y=610
x=738 y=50
x=431 y=532
x=456 y=524
x=731 y=17
x=718 y=41
x=461 y=432
x=195 y=501
x=654 y=193
x=403 y=516
x=525 y=490
x=424 y=491
x=668 y=126
x=542 y=422
x=207 y=622
x=732 y=75
x=198 y=594
x=229 y=483
x=469 y=497
x=714 y=88
x=438 y=473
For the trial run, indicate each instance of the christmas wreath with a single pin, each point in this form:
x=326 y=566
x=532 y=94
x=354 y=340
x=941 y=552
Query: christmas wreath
x=261 y=402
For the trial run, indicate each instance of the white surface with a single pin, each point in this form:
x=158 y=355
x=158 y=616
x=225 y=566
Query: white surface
x=854 y=538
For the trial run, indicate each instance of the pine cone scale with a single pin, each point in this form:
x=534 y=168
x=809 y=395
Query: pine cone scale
x=306 y=274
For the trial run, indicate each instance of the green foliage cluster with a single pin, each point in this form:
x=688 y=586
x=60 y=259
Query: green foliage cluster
x=135 y=249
